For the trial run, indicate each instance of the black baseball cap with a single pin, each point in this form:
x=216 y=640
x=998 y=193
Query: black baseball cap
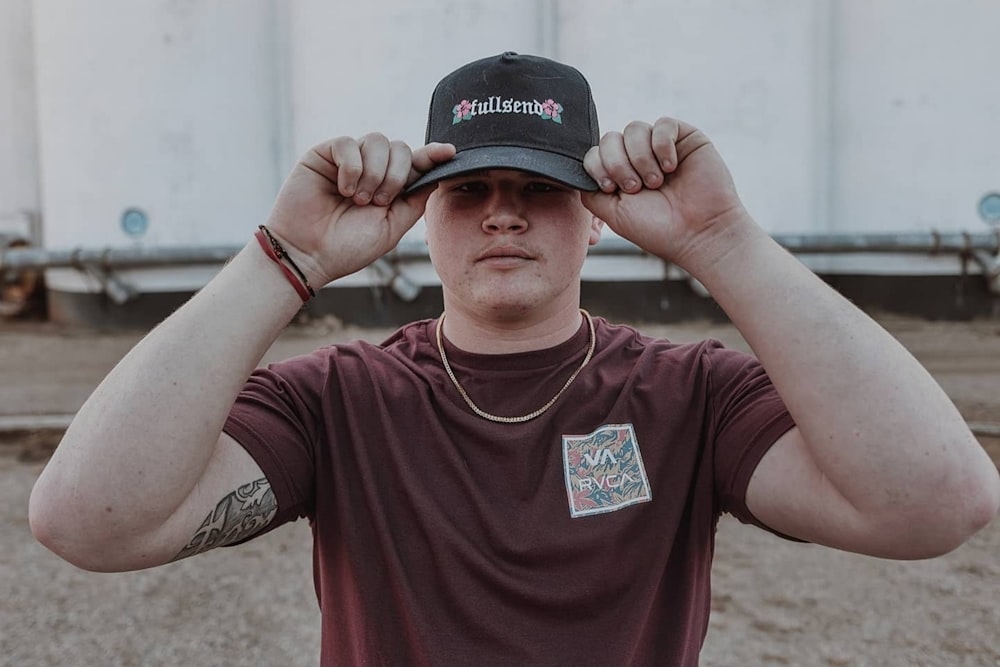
x=514 y=111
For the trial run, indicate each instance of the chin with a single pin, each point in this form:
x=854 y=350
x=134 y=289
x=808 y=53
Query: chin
x=506 y=308
x=495 y=302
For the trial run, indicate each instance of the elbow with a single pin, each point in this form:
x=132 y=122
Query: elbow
x=957 y=517
x=64 y=534
x=985 y=505
x=963 y=501
x=48 y=530
x=91 y=541
x=74 y=551
x=981 y=501
x=51 y=535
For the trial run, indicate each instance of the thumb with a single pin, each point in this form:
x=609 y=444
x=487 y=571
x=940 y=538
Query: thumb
x=405 y=210
x=427 y=157
x=602 y=204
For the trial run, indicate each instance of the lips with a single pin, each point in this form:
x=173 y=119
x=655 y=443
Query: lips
x=504 y=252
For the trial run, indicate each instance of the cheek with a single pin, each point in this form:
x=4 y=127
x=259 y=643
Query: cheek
x=577 y=233
x=432 y=226
x=443 y=246
x=435 y=245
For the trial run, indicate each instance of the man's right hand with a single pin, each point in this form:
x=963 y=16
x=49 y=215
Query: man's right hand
x=340 y=208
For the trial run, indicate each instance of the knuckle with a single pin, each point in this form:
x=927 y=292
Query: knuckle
x=592 y=156
x=349 y=173
x=398 y=145
x=370 y=178
x=374 y=138
x=612 y=135
x=638 y=126
x=339 y=143
x=393 y=183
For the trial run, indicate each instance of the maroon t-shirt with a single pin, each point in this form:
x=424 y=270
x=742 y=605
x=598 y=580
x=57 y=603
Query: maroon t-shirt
x=583 y=537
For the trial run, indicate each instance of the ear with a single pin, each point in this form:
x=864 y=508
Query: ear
x=596 y=225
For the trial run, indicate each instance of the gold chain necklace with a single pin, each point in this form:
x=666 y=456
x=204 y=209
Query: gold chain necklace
x=531 y=415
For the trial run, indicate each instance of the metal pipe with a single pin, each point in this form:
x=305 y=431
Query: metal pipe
x=929 y=243
x=982 y=248
x=107 y=258
x=44 y=422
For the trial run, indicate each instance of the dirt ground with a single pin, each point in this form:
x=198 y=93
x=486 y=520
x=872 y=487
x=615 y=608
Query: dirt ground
x=775 y=602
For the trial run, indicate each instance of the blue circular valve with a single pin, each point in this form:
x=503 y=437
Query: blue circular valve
x=989 y=208
x=135 y=222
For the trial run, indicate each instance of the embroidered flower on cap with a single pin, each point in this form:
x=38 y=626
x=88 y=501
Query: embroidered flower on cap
x=551 y=110
x=462 y=111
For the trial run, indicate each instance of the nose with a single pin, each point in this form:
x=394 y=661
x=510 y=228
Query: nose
x=503 y=213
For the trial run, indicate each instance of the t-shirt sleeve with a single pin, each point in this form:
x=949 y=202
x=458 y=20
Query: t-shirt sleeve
x=276 y=418
x=748 y=418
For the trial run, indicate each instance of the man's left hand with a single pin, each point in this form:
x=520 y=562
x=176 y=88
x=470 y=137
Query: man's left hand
x=665 y=188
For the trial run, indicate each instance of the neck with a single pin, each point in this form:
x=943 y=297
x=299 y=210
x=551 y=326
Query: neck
x=509 y=334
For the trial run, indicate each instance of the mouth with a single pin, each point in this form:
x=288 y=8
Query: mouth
x=504 y=252
x=504 y=257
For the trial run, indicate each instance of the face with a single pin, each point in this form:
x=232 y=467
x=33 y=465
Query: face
x=507 y=242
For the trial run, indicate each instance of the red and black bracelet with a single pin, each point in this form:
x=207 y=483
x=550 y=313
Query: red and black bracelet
x=274 y=250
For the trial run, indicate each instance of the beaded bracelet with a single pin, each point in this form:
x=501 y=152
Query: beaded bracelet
x=274 y=250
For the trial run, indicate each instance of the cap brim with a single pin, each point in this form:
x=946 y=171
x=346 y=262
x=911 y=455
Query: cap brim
x=560 y=168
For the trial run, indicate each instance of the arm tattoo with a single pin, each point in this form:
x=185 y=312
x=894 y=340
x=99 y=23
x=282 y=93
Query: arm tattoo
x=245 y=511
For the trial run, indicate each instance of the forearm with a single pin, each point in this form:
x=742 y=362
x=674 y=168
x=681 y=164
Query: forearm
x=877 y=425
x=142 y=440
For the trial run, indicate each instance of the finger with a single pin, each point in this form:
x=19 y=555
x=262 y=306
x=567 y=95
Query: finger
x=689 y=140
x=427 y=157
x=614 y=157
x=595 y=167
x=374 y=149
x=319 y=160
x=396 y=172
x=405 y=211
x=346 y=154
x=599 y=203
x=639 y=147
x=664 y=142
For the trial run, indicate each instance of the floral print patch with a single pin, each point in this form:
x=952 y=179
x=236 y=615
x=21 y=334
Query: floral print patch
x=604 y=470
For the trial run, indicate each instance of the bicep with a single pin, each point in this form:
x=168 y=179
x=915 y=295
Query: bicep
x=789 y=493
x=231 y=502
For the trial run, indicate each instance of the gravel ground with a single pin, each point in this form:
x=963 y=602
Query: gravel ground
x=774 y=603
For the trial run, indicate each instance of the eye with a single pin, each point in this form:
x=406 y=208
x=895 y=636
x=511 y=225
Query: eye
x=470 y=187
x=542 y=187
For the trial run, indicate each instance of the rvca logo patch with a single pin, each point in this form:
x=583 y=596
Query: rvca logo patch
x=604 y=470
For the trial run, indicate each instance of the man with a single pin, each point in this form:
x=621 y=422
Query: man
x=515 y=482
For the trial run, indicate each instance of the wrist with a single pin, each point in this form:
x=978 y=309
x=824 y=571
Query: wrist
x=252 y=280
x=716 y=244
x=275 y=250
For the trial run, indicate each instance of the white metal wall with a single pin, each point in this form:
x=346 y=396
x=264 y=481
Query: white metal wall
x=167 y=106
x=19 y=202
x=916 y=131
x=835 y=115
